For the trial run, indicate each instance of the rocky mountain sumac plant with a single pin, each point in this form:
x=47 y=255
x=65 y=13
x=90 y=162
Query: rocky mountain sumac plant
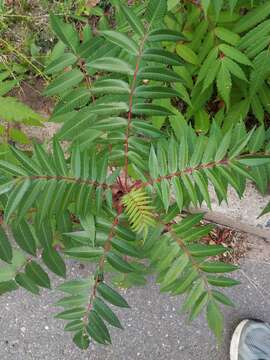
x=116 y=196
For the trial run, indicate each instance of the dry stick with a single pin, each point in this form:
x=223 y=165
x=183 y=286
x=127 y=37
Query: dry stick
x=256 y=286
x=11 y=48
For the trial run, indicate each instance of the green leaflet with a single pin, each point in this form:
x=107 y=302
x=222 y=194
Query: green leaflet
x=210 y=60
x=97 y=328
x=211 y=75
x=74 y=287
x=15 y=199
x=155 y=12
x=156 y=110
x=218 y=267
x=4 y=188
x=60 y=63
x=121 y=40
x=108 y=86
x=44 y=159
x=172 y=156
x=255 y=161
x=178 y=193
x=224 y=146
x=215 y=318
x=69 y=302
x=12 y=169
x=222 y=281
x=176 y=269
x=81 y=340
x=23 y=235
x=59 y=158
x=71 y=314
x=153 y=164
x=206 y=250
x=187 y=54
x=158 y=73
x=223 y=299
x=194 y=294
x=234 y=68
x=187 y=223
x=252 y=18
x=13 y=110
x=165 y=35
x=162 y=57
x=106 y=313
x=155 y=92
x=35 y=272
x=111 y=295
x=118 y=263
x=125 y=248
x=196 y=233
x=235 y=54
x=198 y=306
x=132 y=19
x=5 y=247
x=65 y=32
x=224 y=83
x=72 y=100
x=75 y=325
x=64 y=82
x=111 y=64
x=227 y=35
x=26 y=161
x=205 y=6
x=24 y=281
x=84 y=252
x=260 y=71
x=7 y=86
x=7 y=286
x=54 y=262
x=203 y=187
x=240 y=145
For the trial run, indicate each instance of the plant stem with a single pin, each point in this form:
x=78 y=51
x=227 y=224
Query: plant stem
x=133 y=87
x=100 y=267
x=183 y=172
x=66 y=178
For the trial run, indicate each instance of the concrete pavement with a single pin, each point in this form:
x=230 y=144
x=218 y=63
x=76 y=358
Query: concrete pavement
x=153 y=327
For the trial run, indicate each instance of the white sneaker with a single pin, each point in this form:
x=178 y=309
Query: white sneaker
x=251 y=341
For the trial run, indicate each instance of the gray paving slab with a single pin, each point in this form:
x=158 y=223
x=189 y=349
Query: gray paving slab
x=241 y=214
x=154 y=329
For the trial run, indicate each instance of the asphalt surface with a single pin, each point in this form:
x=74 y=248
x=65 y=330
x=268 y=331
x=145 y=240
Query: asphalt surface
x=154 y=329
